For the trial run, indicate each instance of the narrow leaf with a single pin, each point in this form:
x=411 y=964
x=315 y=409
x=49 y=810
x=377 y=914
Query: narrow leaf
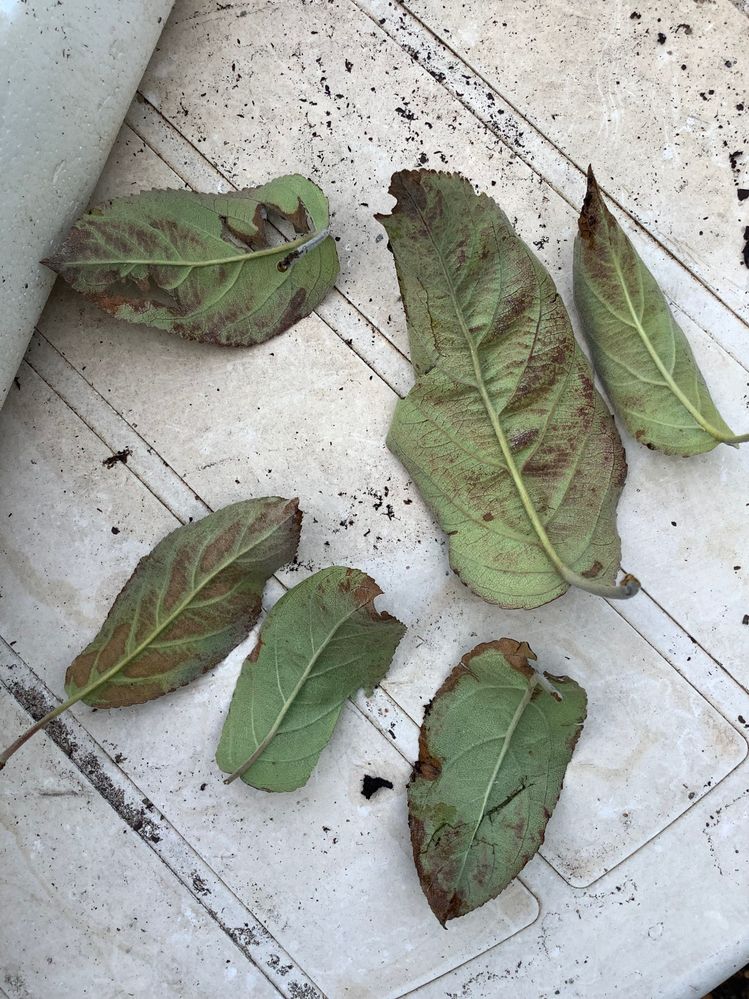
x=186 y=606
x=203 y=265
x=504 y=434
x=639 y=350
x=493 y=750
x=321 y=642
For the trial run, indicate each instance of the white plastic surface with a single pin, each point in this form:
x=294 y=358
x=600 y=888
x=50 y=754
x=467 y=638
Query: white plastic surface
x=642 y=885
x=69 y=72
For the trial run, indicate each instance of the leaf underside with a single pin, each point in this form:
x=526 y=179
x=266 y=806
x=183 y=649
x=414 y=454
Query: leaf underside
x=493 y=751
x=321 y=642
x=189 y=602
x=503 y=433
x=188 y=262
x=639 y=350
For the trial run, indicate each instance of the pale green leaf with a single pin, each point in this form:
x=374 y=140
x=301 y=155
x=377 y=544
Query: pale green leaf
x=205 y=266
x=639 y=350
x=493 y=750
x=504 y=434
x=321 y=642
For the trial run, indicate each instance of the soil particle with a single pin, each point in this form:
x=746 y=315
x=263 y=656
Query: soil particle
x=118 y=456
x=371 y=785
x=199 y=884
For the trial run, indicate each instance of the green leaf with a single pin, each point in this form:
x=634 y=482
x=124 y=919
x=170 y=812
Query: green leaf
x=321 y=642
x=639 y=350
x=202 y=265
x=187 y=605
x=493 y=750
x=504 y=434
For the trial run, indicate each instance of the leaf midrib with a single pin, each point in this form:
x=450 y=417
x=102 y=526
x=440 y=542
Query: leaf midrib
x=170 y=618
x=514 y=722
x=665 y=373
x=269 y=251
x=272 y=731
x=563 y=570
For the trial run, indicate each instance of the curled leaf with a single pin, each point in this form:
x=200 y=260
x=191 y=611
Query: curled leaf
x=639 y=350
x=186 y=606
x=493 y=750
x=203 y=265
x=321 y=642
x=504 y=434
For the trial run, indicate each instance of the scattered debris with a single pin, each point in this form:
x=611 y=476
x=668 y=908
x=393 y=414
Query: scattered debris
x=118 y=456
x=371 y=785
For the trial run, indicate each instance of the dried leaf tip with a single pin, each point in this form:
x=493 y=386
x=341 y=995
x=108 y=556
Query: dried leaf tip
x=593 y=208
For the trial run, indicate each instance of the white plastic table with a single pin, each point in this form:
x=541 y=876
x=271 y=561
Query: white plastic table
x=129 y=869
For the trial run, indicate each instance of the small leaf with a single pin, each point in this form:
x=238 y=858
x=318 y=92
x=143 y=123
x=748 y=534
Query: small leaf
x=321 y=642
x=187 y=605
x=639 y=350
x=202 y=265
x=504 y=434
x=493 y=750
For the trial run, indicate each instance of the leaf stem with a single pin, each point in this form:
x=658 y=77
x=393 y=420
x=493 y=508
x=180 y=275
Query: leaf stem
x=294 y=248
x=38 y=726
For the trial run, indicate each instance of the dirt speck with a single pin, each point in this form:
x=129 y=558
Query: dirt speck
x=371 y=785
x=117 y=457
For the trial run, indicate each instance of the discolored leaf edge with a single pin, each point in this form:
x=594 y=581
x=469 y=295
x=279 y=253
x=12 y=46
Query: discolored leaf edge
x=597 y=222
x=428 y=767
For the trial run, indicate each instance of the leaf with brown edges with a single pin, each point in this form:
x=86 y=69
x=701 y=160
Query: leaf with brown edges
x=494 y=746
x=205 y=266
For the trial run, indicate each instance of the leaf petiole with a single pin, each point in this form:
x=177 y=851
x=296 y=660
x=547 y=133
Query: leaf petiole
x=38 y=726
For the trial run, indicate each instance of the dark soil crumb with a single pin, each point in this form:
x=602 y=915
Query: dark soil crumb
x=371 y=785
x=118 y=456
x=199 y=884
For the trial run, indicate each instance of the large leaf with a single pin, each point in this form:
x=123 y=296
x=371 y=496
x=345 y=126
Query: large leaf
x=503 y=433
x=639 y=350
x=202 y=265
x=321 y=642
x=493 y=750
x=186 y=606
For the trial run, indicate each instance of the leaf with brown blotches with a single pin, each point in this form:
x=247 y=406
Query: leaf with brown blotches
x=187 y=605
x=493 y=750
x=503 y=433
x=206 y=266
x=639 y=350
x=321 y=642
